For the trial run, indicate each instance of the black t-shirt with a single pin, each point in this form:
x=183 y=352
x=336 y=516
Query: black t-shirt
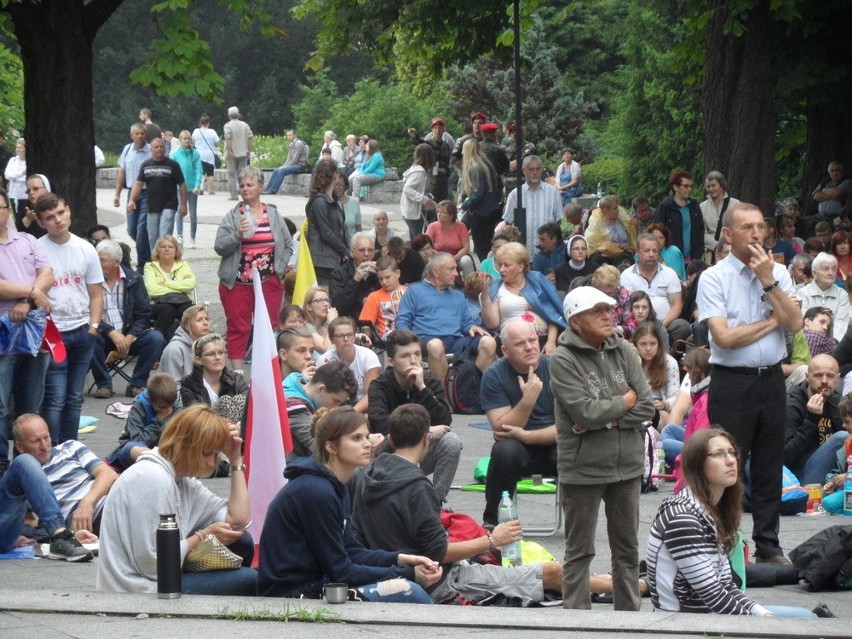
x=162 y=180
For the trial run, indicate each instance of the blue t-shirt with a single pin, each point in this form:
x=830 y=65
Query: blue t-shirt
x=500 y=388
x=687 y=229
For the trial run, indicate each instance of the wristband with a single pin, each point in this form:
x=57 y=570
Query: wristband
x=238 y=467
x=774 y=284
x=490 y=540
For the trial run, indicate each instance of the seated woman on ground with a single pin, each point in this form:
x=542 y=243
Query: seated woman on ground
x=607 y=279
x=670 y=255
x=696 y=530
x=611 y=233
x=318 y=314
x=659 y=368
x=290 y=315
x=640 y=309
x=423 y=245
x=381 y=232
x=487 y=265
x=166 y=480
x=576 y=266
x=698 y=369
x=169 y=280
x=307 y=539
x=448 y=235
x=210 y=378
x=362 y=361
x=177 y=359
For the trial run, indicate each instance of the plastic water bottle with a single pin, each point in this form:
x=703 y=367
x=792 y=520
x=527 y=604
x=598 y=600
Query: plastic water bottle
x=507 y=511
x=661 y=462
x=847 y=488
x=600 y=190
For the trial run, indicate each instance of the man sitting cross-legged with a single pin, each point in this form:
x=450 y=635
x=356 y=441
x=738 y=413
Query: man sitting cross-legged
x=396 y=507
x=516 y=397
x=65 y=486
x=404 y=381
x=440 y=316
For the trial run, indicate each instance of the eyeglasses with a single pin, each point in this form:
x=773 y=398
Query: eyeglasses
x=344 y=336
x=320 y=300
x=219 y=353
x=35 y=189
x=721 y=455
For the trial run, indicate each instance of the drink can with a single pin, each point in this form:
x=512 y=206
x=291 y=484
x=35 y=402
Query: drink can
x=814 y=496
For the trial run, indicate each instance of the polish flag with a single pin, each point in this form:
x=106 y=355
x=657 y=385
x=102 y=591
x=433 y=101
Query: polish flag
x=267 y=433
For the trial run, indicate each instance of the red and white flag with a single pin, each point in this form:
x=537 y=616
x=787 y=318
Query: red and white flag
x=267 y=430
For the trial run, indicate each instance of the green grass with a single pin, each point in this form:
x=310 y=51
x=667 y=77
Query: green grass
x=287 y=613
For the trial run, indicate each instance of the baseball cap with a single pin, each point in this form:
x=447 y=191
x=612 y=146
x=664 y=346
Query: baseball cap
x=584 y=298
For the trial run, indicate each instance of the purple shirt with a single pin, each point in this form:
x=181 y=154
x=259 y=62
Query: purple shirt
x=20 y=259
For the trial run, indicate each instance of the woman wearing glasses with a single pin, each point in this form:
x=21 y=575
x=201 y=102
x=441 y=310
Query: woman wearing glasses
x=695 y=530
x=210 y=378
x=682 y=216
x=252 y=235
x=319 y=313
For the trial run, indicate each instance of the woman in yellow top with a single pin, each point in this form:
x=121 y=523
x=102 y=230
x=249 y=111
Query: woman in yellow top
x=611 y=234
x=169 y=280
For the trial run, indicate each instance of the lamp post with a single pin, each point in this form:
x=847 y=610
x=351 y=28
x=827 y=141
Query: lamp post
x=520 y=211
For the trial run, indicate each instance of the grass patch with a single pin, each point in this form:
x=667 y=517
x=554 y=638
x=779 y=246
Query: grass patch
x=288 y=613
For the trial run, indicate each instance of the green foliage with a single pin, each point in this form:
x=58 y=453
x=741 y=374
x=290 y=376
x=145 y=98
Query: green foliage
x=609 y=173
x=382 y=111
x=287 y=613
x=268 y=151
x=12 y=90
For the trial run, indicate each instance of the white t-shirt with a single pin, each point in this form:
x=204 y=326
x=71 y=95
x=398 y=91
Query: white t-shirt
x=75 y=264
x=365 y=360
x=514 y=307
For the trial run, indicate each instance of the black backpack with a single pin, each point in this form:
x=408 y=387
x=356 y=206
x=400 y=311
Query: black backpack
x=462 y=385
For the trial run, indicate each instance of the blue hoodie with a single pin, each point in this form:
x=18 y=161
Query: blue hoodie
x=300 y=410
x=307 y=538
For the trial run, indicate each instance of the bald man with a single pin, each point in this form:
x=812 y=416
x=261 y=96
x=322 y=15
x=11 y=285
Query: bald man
x=814 y=427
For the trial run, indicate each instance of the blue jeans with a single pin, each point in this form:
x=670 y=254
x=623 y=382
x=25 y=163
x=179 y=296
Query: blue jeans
x=242 y=581
x=823 y=459
x=63 y=386
x=147 y=347
x=415 y=228
x=160 y=223
x=672 y=442
x=791 y=611
x=280 y=173
x=120 y=458
x=137 y=229
x=21 y=377
x=192 y=206
x=413 y=593
x=25 y=482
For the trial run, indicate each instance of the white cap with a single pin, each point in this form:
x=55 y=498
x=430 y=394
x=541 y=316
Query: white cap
x=584 y=298
x=233 y=112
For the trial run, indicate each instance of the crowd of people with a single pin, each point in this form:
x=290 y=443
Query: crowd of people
x=576 y=328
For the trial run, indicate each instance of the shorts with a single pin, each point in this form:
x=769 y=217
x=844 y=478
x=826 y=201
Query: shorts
x=207 y=168
x=458 y=345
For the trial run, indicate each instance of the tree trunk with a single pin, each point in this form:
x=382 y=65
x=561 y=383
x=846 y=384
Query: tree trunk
x=739 y=124
x=829 y=138
x=56 y=38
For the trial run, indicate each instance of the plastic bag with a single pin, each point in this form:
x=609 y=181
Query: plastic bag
x=22 y=337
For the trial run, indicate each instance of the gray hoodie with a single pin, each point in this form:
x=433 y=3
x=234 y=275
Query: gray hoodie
x=176 y=359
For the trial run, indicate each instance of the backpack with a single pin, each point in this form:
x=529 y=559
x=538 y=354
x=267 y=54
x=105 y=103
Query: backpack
x=825 y=560
x=650 y=443
x=462 y=386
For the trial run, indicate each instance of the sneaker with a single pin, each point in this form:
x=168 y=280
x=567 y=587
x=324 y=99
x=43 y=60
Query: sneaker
x=192 y=244
x=362 y=192
x=66 y=547
x=104 y=393
x=133 y=391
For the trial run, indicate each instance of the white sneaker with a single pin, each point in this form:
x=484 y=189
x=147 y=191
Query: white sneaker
x=192 y=244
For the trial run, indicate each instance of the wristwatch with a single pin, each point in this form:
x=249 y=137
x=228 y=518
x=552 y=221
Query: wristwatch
x=93 y=325
x=774 y=284
x=239 y=467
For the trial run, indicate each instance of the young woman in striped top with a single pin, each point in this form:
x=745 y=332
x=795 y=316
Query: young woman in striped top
x=695 y=531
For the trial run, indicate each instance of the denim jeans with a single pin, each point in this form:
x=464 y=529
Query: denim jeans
x=395 y=591
x=192 y=206
x=242 y=581
x=121 y=458
x=672 y=441
x=63 y=386
x=823 y=459
x=280 y=173
x=160 y=223
x=21 y=377
x=137 y=229
x=25 y=482
x=791 y=611
x=147 y=347
x=415 y=227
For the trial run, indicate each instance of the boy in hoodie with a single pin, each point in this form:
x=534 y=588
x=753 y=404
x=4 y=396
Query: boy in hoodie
x=333 y=384
x=396 y=507
x=404 y=381
x=150 y=411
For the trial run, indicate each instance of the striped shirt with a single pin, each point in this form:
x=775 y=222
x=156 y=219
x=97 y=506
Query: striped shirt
x=69 y=471
x=687 y=571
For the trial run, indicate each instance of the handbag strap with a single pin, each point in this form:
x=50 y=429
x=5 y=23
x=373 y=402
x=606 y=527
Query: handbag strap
x=204 y=137
x=725 y=203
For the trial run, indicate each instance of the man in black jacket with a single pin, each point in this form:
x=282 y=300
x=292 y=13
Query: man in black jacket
x=355 y=278
x=405 y=382
x=814 y=426
x=126 y=324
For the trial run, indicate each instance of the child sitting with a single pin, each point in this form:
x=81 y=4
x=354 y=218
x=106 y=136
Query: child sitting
x=833 y=500
x=148 y=415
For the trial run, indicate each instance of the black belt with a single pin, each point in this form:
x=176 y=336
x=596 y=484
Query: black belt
x=759 y=371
